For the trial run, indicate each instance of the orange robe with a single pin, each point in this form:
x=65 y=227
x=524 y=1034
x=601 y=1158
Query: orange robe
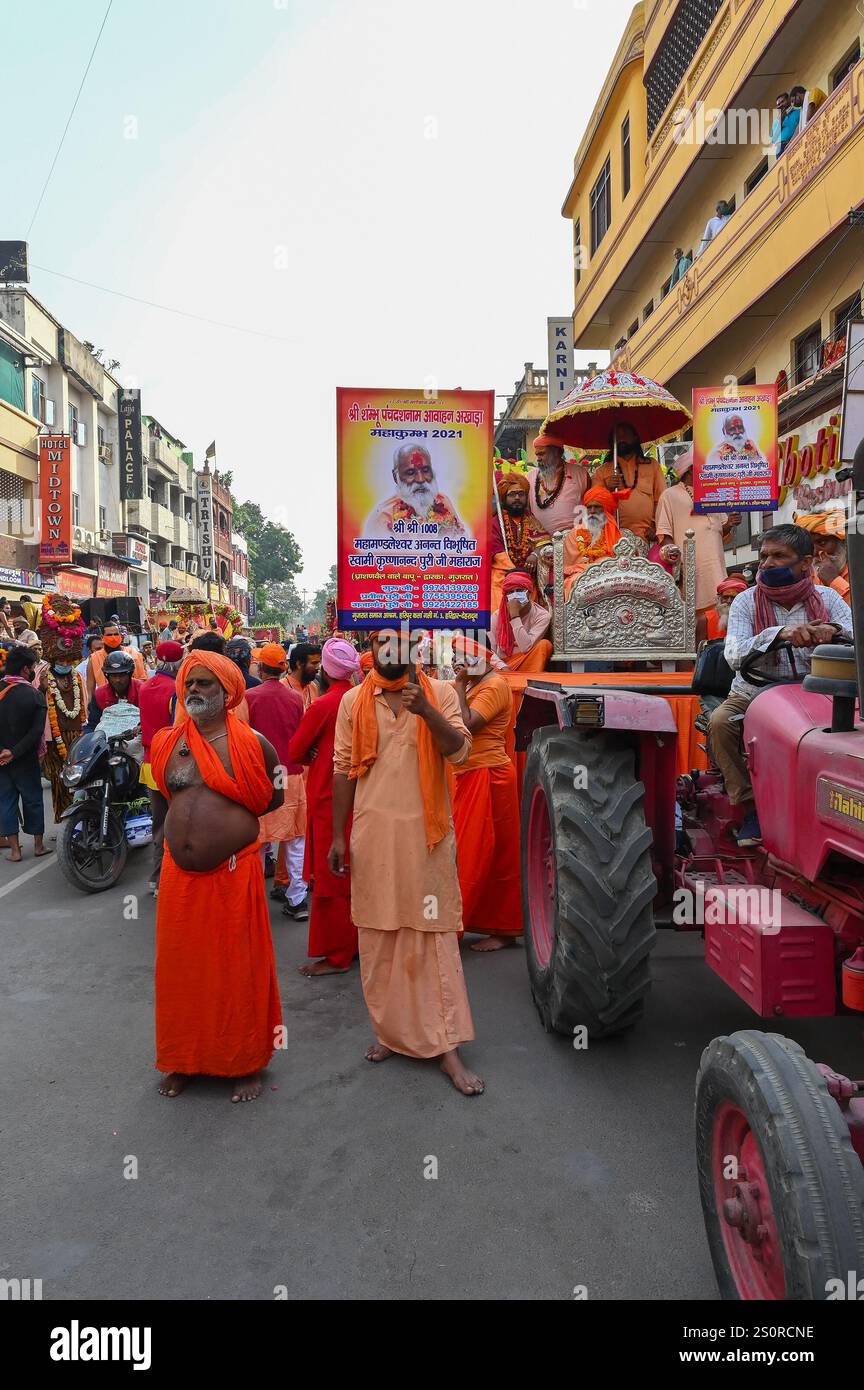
x=486 y=818
x=332 y=933
x=580 y=552
x=217 y=995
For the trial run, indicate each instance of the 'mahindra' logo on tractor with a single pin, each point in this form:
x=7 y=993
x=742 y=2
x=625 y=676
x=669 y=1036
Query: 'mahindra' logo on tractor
x=714 y=904
x=836 y=802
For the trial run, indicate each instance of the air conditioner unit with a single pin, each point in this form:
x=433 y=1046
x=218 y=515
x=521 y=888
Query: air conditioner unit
x=106 y=453
x=88 y=538
x=192 y=566
x=105 y=536
x=77 y=534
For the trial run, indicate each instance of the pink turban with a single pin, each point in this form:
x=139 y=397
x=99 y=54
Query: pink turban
x=339 y=659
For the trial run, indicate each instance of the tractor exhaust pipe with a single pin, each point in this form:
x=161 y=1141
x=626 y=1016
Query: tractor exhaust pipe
x=855 y=560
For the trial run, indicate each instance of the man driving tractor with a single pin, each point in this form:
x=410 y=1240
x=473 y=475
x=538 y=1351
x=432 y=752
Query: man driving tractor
x=784 y=606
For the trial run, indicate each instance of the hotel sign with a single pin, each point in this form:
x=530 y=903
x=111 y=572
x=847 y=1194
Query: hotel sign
x=204 y=494
x=55 y=490
x=131 y=452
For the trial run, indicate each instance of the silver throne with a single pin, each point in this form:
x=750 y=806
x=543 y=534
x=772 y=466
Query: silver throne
x=625 y=608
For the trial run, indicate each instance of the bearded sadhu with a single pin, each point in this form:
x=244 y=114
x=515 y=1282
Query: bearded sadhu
x=514 y=539
x=828 y=530
x=595 y=535
x=217 y=997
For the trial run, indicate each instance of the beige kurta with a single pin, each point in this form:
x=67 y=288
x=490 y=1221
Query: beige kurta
x=675 y=516
x=636 y=513
x=394 y=877
x=404 y=899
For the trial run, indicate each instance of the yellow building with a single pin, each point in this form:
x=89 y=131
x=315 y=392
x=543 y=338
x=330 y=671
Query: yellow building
x=519 y=422
x=684 y=120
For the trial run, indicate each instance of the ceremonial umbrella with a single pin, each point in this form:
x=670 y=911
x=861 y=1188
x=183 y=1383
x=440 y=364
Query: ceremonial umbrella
x=585 y=417
x=187 y=596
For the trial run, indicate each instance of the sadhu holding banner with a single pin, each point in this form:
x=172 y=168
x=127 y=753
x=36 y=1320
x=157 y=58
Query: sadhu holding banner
x=217 y=997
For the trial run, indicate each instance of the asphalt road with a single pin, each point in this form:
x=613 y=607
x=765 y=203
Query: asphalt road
x=574 y=1169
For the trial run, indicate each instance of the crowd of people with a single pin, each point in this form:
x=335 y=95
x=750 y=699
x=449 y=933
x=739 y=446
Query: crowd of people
x=327 y=770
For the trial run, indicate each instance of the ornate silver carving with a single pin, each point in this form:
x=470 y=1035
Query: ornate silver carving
x=625 y=608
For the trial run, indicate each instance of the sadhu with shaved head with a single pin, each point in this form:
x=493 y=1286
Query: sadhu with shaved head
x=394 y=734
x=217 y=997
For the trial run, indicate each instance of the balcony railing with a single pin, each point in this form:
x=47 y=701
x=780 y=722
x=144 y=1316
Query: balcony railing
x=158 y=576
x=759 y=230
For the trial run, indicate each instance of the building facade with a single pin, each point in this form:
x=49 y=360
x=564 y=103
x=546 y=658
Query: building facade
x=166 y=517
x=684 y=120
x=53 y=381
x=240 y=574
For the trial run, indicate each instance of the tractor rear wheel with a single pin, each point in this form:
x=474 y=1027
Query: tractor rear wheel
x=587 y=882
x=782 y=1188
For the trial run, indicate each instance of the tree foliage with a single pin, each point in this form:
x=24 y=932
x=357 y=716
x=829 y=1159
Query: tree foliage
x=274 y=555
x=317 y=610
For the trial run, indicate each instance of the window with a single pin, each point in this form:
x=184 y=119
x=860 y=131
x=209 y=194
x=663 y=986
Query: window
x=634 y=328
x=730 y=205
x=601 y=206
x=577 y=249
x=103 y=523
x=842 y=71
x=665 y=287
x=37 y=388
x=15 y=502
x=648 y=310
x=845 y=313
x=681 y=42
x=625 y=156
x=808 y=352
x=76 y=509
x=622 y=342
x=756 y=177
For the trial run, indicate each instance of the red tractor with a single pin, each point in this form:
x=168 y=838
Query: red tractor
x=614 y=840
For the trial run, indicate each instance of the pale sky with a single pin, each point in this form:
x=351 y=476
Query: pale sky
x=377 y=182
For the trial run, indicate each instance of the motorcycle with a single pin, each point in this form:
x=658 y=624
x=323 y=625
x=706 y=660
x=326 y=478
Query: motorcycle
x=110 y=813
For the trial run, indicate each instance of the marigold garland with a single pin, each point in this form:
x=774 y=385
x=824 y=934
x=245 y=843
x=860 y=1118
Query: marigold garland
x=55 y=697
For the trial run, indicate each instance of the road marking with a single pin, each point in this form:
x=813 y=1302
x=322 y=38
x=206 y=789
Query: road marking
x=22 y=878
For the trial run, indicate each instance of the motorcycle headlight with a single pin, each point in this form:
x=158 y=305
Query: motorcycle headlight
x=72 y=775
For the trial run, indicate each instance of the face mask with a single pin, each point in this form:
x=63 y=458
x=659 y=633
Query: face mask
x=111 y=642
x=62 y=670
x=779 y=578
x=520 y=594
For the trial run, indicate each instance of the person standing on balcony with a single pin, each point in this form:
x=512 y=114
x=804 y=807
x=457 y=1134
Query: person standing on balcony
x=808 y=103
x=682 y=264
x=786 y=121
x=715 y=224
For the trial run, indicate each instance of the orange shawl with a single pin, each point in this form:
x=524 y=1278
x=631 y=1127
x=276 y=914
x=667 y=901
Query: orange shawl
x=250 y=785
x=364 y=750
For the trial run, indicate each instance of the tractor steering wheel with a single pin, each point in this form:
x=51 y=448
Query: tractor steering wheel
x=761 y=678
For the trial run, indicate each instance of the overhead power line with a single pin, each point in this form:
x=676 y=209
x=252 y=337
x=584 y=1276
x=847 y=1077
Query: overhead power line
x=165 y=308
x=69 y=120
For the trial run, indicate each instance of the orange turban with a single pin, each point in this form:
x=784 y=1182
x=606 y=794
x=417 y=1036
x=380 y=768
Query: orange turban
x=508 y=480
x=830 y=523
x=227 y=674
x=549 y=441
x=602 y=497
x=735 y=584
x=366 y=661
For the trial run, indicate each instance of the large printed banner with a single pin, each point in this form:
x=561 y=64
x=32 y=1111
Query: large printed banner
x=414 y=487
x=735 y=449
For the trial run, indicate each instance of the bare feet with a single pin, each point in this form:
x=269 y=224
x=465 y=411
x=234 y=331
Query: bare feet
x=42 y=849
x=15 y=857
x=321 y=967
x=173 y=1084
x=247 y=1088
x=378 y=1052
x=464 y=1080
x=492 y=943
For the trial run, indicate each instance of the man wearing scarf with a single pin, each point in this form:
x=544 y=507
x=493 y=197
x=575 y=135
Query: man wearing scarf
x=217 y=997
x=514 y=539
x=22 y=729
x=717 y=618
x=332 y=933
x=518 y=628
x=784 y=605
x=394 y=733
